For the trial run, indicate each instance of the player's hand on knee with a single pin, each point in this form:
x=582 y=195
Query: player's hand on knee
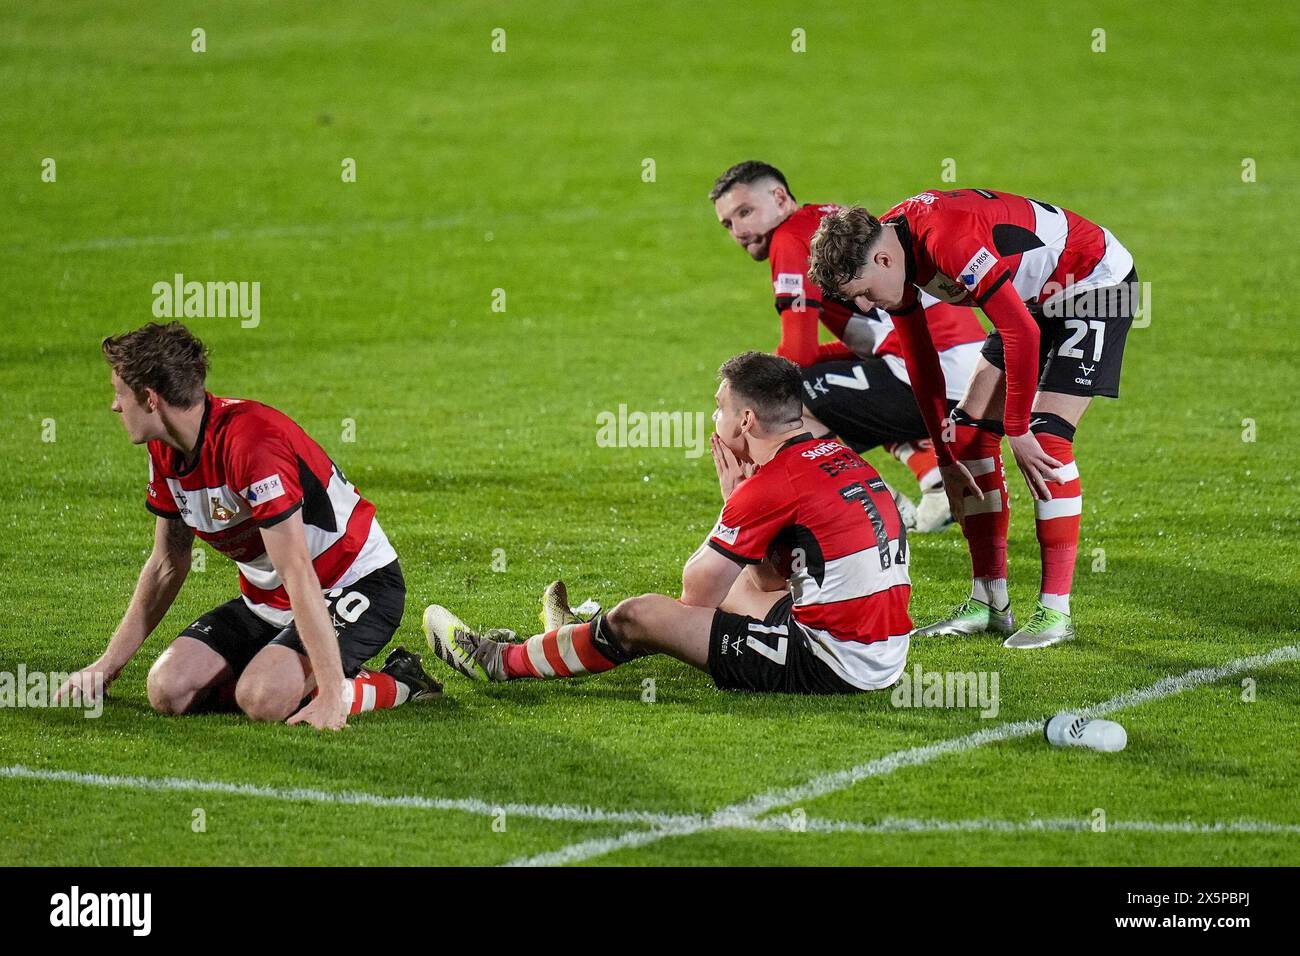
x=1036 y=465
x=323 y=713
x=957 y=481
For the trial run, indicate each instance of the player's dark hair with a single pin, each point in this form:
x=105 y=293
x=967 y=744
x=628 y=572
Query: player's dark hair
x=769 y=384
x=750 y=171
x=841 y=246
x=167 y=358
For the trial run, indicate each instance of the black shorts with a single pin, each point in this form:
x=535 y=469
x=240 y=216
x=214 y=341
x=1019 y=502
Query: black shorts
x=769 y=655
x=366 y=615
x=1081 y=340
x=862 y=402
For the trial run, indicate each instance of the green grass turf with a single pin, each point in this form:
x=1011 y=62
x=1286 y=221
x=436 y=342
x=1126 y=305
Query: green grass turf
x=476 y=430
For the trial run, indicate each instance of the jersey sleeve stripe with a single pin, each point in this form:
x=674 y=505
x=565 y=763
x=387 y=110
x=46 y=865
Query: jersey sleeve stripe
x=727 y=553
x=988 y=293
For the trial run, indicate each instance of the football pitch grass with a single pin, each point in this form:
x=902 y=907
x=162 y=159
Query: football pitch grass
x=474 y=430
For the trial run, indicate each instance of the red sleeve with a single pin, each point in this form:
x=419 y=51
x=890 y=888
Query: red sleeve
x=797 y=300
x=798 y=336
x=926 y=374
x=1003 y=306
x=160 y=500
x=964 y=253
x=758 y=510
x=263 y=467
x=834 y=352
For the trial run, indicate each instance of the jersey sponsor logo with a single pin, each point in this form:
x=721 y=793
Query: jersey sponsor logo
x=219 y=511
x=825 y=448
x=788 y=283
x=725 y=534
x=976 y=269
x=927 y=198
x=268 y=489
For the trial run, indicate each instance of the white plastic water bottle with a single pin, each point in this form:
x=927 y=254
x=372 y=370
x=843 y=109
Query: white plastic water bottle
x=1071 y=730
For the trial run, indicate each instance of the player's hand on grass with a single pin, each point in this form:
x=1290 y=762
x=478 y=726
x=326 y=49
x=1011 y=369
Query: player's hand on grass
x=323 y=713
x=86 y=685
x=957 y=481
x=1036 y=465
x=731 y=470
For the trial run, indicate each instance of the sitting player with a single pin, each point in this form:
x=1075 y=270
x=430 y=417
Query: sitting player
x=801 y=587
x=322 y=589
x=1060 y=292
x=857 y=385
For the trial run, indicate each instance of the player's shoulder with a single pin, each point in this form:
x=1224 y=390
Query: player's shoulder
x=800 y=225
x=241 y=423
x=801 y=455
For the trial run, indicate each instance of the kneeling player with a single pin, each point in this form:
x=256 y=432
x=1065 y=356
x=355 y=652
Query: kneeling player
x=802 y=586
x=857 y=386
x=322 y=589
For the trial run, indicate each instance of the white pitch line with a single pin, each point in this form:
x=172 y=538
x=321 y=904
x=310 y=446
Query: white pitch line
x=560 y=812
x=733 y=816
x=664 y=824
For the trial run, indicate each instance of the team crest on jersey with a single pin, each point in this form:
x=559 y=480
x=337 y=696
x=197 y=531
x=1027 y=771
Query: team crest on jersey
x=979 y=264
x=219 y=511
x=723 y=533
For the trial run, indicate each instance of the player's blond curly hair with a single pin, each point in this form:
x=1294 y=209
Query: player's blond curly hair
x=840 y=246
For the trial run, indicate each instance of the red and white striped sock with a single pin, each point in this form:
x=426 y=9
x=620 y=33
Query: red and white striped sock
x=372 y=691
x=985 y=521
x=1057 y=523
x=920 y=459
x=568 y=651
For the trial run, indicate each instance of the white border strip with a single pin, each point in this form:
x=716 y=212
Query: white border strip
x=738 y=814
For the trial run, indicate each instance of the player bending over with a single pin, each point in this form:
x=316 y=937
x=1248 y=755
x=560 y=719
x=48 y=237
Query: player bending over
x=1060 y=292
x=322 y=591
x=858 y=384
x=802 y=586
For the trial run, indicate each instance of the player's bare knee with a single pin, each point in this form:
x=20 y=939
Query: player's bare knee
x=633 y=620
x=261 y=697
x=170 y=692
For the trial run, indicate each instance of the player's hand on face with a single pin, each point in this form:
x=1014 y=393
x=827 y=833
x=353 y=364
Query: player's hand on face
x=1036 y=465
x=85 y=685
x=323 y=713
x=957 y=481
x=731 y=471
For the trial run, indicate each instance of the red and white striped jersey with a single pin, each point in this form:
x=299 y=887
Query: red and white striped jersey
x=800 y=303
x=1000 y=251
x=828 y=523
x=256 y=467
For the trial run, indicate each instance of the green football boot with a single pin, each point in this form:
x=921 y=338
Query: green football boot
x=1045 y=628
x=971 y=617
x=477 y=657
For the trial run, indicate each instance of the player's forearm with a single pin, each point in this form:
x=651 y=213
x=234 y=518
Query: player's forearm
x=798 y=336
x=1020 y=352
x=926 y=375
x=314 y=628
x=156 y=589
